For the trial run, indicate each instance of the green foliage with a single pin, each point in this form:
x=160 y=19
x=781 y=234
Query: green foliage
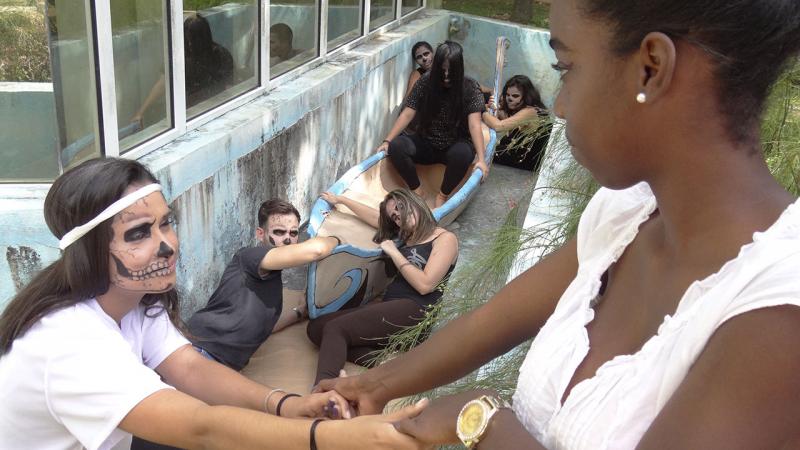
x=780 y=131
x=500 y=9
x=24 y=55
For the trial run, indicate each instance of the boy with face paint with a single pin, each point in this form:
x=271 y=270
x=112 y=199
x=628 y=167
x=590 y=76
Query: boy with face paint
x=248 y=303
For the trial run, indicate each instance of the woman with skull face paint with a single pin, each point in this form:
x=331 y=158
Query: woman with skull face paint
x=446 y=110
x=90 y=350
x=523 y=117
x=671 y=320
x=422 y=53
x=423 y=264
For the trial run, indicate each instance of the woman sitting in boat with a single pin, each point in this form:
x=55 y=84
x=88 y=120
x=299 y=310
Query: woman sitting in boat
x=446 y=109
x=423 y=263
x=422 y=52
x=90 y=349
x=523 y=117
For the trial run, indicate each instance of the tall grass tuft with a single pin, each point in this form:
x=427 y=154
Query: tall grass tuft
x=24 y=55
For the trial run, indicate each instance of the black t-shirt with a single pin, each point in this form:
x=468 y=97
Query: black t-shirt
x=241 y=312
x=444 y=130
x=417 y=255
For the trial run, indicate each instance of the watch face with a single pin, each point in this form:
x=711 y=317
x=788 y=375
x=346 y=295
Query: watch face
x=470 y=421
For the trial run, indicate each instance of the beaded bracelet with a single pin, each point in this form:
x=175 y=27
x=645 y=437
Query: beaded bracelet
x=280 y=403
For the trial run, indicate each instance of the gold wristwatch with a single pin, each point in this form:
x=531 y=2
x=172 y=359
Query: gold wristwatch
x=474 y=418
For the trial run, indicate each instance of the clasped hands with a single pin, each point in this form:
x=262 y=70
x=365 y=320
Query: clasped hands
x=428 y=423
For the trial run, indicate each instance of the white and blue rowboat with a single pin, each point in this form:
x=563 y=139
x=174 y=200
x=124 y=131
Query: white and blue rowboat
x=357 y=270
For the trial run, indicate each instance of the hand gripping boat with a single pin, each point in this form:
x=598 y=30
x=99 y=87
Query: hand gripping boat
x=357 y=270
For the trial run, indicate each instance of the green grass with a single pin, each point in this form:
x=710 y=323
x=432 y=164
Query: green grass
x=500 y=9
x=23 y=40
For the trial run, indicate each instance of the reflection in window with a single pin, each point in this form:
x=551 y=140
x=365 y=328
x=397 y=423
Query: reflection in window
x=293 y=35
x=47 y=105
x=221 y=51
x=381 y=12
x=410 y=5
x=344 y=22
x=139 y=39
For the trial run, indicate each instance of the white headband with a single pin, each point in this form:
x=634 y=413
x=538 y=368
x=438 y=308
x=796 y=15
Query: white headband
x=113 y=209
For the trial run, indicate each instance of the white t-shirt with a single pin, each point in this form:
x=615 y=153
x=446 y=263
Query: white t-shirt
x=70 y=380
x=613 y=409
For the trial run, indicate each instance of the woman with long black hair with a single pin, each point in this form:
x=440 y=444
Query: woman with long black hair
x=445 y=107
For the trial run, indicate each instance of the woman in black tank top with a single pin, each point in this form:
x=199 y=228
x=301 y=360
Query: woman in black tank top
x=423 y=263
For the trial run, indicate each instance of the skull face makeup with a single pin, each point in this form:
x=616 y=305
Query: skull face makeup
x=143 y=251
x=282 y=229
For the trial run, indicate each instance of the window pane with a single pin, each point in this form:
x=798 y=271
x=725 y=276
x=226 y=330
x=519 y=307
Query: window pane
x=221 y=51
x=47 y=105
x=410 y=5
x=141 y=69
x=381 y=12
x=293 y=34
x=344 y=22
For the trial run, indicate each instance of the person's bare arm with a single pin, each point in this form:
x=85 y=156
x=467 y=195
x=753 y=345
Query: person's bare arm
x=424 y=281
x=405 y=118
x=367 y=214
x=293 y=303
x=526 y=117
x=173 y=418
x=521 y=307
x=476 y=133
x=742 y=392
x=412 y=80
x=436 y=425
x=216 y=384
x=158 y=89
x=295 y=255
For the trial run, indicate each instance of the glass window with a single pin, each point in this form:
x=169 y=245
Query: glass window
x=345 y=19
x=410 y=5
x=221 y=51
x=141 y=69
x=381 y=12
x=293 y=34
x=47 y=95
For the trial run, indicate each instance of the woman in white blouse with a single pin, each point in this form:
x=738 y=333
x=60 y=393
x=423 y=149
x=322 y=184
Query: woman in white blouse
x=672 y=319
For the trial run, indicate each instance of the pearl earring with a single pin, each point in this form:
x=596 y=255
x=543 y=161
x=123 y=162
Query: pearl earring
x=641 y=97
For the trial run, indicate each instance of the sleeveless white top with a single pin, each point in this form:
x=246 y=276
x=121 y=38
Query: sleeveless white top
x=613 y=409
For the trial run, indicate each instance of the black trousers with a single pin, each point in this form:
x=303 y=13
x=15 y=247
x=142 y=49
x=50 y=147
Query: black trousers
x=409 y=149
x=352 y=334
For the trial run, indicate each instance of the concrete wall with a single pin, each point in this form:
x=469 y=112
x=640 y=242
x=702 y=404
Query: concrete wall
x=28 y=127
x=292 y=142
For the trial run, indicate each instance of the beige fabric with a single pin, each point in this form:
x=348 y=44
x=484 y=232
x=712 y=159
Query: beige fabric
x=288 y=360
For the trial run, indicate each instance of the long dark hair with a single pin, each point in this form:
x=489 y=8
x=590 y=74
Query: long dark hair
x=407 y=202
x=82 y=271
x=530 y=96
x=750 y=41
x=436 y=93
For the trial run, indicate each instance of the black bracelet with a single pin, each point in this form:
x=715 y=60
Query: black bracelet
x=312 y=438
x=387 y=141
x=338 y=241
x=280 y=403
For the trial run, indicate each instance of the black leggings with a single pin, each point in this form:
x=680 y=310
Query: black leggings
x=407 y=149
x=352 y=334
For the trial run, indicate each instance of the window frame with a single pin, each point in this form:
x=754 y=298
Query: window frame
x=106 y=87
